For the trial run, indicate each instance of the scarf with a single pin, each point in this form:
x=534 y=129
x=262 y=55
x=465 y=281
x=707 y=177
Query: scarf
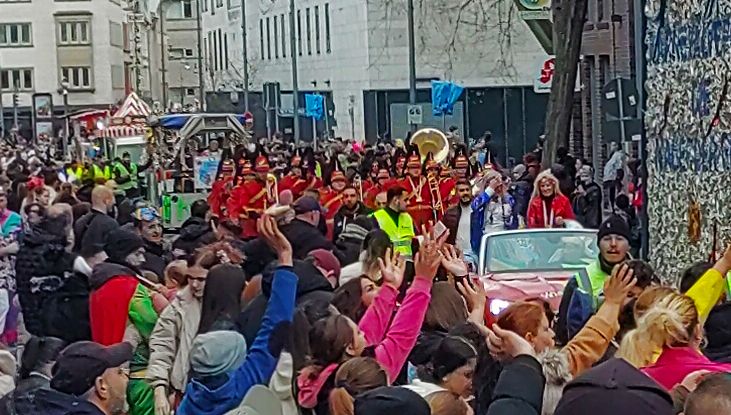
x=353 y=231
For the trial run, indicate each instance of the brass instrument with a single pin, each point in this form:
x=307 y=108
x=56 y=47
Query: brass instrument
x=358 y=184
x=436 y=197
x=272 y=188
x=431 y=140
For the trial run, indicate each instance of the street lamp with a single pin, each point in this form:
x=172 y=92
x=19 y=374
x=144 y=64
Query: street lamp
x=63 y=90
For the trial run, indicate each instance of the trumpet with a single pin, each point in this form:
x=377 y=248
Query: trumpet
x=272 y=188
x=436 y=197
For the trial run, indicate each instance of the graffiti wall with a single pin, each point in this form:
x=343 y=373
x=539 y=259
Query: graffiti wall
x=688 y=123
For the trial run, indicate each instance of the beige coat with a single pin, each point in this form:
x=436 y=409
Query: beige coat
x=171 y=340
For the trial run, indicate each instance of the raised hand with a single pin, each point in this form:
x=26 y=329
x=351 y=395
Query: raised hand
x=505 y=344
x=268 y=229
x=429 y=257
x=453 y=261
x=619 y=284
x=392 y=269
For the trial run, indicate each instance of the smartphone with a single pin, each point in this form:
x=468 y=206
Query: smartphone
x=439 y=229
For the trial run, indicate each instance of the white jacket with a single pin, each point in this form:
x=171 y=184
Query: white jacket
x=171 y=340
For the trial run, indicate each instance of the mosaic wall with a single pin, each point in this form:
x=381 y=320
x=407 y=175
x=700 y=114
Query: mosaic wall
x=688 y=123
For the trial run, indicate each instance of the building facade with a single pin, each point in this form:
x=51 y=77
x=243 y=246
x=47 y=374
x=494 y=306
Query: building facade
x=608 y=53
x=43 y=42
x=356 y=52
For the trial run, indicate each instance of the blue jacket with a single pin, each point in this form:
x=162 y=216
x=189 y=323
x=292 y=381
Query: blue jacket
x=479 y=206
x=260 y=361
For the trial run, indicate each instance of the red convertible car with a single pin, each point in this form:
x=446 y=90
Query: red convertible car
x=532 y=263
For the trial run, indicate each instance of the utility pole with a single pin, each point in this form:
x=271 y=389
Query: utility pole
x=639 y=37
x=163 y=56
x=295 y=86
x=412 y=59
x=245 y=55
x=199 y=17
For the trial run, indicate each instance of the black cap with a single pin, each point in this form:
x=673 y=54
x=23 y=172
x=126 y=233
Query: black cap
x=619 y=388
x=390 y=400
x=306 y=204
x=79 y=364
x=614 y=225
x=120 y=243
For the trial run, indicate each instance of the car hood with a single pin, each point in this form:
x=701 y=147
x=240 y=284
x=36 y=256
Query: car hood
x=521 y=285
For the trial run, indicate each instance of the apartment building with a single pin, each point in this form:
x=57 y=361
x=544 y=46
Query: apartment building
x=43 y=42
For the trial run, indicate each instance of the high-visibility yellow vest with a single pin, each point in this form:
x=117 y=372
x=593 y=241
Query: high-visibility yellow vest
x=400 y=234
x=99 y=173
x=78 y=173
x=122 y=170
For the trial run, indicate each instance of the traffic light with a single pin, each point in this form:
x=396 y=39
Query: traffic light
x=15 y=99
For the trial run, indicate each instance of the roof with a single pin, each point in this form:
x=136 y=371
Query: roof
x=133 y=106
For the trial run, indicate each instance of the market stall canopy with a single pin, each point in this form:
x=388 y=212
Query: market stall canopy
x=134 y=107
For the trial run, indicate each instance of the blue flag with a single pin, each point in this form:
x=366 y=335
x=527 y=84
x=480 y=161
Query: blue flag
x=443 y=97
x=315 y=106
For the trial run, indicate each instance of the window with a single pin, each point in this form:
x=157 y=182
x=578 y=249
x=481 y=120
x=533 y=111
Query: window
x=276 y=37
x=309 y=31
x=79 y=77
x=261 y=38
x=188 y=53
x=213 y=7
x=232 y=4
x=205 y=5
x=180 y=53
x=317 y=30
x=190 y=92
x=15 y=34
x=327 y=28
x=299 y=32
x=600 y=10
x=219 y=3
x=22 y=78
x=269 y=41
x=225 y=50
x=74 y=33
x=215 y=51
x=187 y=6
x=284 y=36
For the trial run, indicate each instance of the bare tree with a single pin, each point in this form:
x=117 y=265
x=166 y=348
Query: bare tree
x=568 y=27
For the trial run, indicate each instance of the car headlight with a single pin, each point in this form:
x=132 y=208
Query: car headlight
x=497 y=306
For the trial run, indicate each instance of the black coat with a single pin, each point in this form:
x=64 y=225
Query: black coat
x=522 y=190
x=155 y=260
x=47 y=401
x=304 y=238
x=57 y=295
x=346 y=215
x=519 y=390
x=194 y=233
x=588 y=207
x=311 y=285
x=92 y=229
x=718 y=333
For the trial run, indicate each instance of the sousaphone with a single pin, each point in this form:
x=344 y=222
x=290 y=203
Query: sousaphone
x=431 y=140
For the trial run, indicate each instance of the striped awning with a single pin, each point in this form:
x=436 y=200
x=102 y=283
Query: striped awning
x=133 y=106
x=116 y=131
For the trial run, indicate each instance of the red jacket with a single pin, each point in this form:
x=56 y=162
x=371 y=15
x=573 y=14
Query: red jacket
x=109 y=309
x=560 y=208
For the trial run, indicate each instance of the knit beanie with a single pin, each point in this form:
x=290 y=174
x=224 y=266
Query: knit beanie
x=614 y=225
x=120 y=243
x=217 y=352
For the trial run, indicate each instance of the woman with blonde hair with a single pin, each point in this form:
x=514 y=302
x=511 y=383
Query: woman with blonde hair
x=671 y=326
x=447 y=403
x=548 y=208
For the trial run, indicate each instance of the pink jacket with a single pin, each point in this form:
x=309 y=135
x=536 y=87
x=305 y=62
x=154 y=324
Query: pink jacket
x=675 y=363
x=392 y=343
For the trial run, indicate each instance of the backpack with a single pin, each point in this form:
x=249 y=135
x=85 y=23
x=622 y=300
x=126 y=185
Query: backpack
x=581 y=305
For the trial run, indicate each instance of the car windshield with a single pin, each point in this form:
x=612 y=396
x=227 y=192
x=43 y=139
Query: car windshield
x=534 y=251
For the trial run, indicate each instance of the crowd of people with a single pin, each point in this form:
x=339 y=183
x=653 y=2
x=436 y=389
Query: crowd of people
x=340 y=285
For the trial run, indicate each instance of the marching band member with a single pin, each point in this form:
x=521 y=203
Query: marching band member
x=331 y=197
x=383 y=183
x=293 y=178
x=447 y=187
x=419 y=203
x=252 y=197
x=221 y=189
